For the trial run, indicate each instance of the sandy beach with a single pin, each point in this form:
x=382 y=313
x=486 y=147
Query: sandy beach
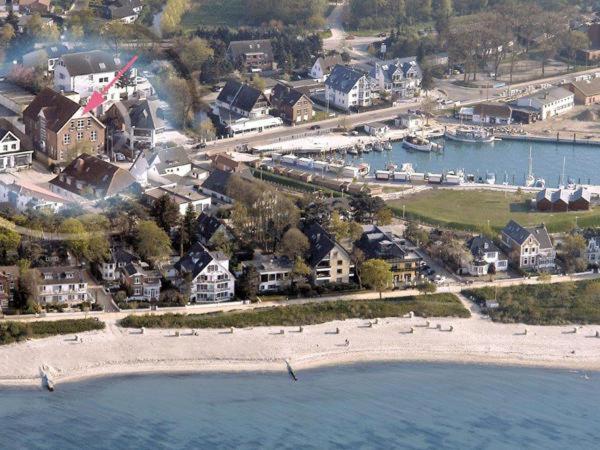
x=120 y=351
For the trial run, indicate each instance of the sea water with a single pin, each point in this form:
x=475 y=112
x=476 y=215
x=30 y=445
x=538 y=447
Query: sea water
x=379 y=406
x=508 y=160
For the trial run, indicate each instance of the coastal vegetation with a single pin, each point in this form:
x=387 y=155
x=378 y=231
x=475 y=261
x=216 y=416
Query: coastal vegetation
x=472 y=209
x=18 y=331
x=435 y=305
x=543 y=304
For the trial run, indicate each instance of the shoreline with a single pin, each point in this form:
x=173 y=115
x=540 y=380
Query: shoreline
x=125 y=352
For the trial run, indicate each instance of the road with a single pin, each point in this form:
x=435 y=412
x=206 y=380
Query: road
x=335 y=23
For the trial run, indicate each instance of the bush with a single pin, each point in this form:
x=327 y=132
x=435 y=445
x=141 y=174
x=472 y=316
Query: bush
x=17 y=331
x=437 y=305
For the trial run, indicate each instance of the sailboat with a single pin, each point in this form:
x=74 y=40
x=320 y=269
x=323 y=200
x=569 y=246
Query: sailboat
x=531 y=180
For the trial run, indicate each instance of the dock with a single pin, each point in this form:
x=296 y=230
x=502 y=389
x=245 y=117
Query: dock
x=557 y=139
x=291 y=371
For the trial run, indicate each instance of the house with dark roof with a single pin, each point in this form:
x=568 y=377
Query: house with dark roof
x=141 y=283
x=485 y=254
x=208 y=227
x=125 y=11
x=110 y=268
x=209 y=277
x=329 y=260
x=216 y=184
x=274 y=272
x=347 y=88
x=487 y=113
x=292 y=106
x=323 y=65
x=12 y=156
x=59 y=129
x=381 y=243
x=89 y=177
x=242 y=108
x=45 y=57
x=401 y=76
x=86 y=72
x=61 y=285
x=252 y=55
x=529 y=248
x=140 y=120
x=181 y=195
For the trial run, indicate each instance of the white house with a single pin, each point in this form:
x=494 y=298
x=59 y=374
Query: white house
x=156 y=164
x=549 y=102
x=23 y=196
x=485 y=255
x=592 y=251
x=409 y=121
x=86 y=72
x=62 y=285
x=183 y=196
x=323 y=65
x=347 y=88
x=274 y=272
x=376 y=128
x=12 y=156
x=401 y=76
x=211 y=280
x=110 y=268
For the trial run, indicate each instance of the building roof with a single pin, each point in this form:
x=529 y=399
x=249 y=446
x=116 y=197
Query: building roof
x=343 y=78
x=589 y=88
x=284 y=95
x=240 y=48
x=564 y=195
x=180 y=194
x=41 y=56
x=520 y=234
x=328 y=62
x=60 y=275
x=56 y=108
x=547 y=96
x=208 y=225
x=493 y=110
x=86 y=63
x=480 y=245
x=103 y=177
x=321 y=243
x=196 y=260
x=270 y=263
x=240 y=95
x=120 y=11
x=144 y=113
x=166 y=158
x=376 y=242
x=119 y=255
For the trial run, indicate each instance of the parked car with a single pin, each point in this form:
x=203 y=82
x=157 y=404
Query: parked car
x=120 y=157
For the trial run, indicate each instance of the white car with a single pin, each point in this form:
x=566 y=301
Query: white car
x=120 y=157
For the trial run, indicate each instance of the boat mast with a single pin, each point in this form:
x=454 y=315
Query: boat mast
x=562 y=176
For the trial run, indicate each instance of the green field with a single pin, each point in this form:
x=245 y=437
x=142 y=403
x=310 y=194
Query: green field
x=229 y=13
x=12 y=331
x=544 y=304
x=470 y=210
x=435 y=305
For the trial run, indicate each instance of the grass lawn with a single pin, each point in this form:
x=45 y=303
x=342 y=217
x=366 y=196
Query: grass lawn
x=435 y=305
x=544 y=304
x=12 y=331
x=470 y=209
x=229 y=13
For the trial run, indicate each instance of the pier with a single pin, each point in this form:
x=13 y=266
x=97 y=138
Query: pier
x=291 y=371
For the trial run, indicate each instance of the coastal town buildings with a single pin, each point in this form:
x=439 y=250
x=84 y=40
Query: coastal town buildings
x=141 y=284
x=328 y=260
x=274 y=271
x=323 y=66
x=62 y=285
x=586 y=92
x=485 y=254
x=548 y=102
x=529 y=248
x=59 y=129
x=401 y=77
x=293 y=106
x=562 y=200
x=209 y=277
x=183 y=196
x=252 y=55
x=347 y=88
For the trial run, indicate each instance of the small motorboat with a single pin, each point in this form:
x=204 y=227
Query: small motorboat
x=417 y=143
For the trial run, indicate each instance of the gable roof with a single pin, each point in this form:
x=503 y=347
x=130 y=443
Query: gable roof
x=520 y=234
x=196 y=260
x=328 y=62
x=343 y=78
x=239 y=48
x=493 y=110
x=86 y=63
x=480 y=245
x=56 y=108
x=93 y=172
x=208 y=225
x=589 y=88
x=321 y=243
x=165 y=158
x=240 y=95
x=378 y=243
x=284 y=95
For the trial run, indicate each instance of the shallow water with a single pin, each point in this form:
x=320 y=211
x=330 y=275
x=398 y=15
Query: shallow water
x=507 y=159
x=363 y=406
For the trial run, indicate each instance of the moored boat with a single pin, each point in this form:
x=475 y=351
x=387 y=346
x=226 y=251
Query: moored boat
x=473 y=135
x=417 y=143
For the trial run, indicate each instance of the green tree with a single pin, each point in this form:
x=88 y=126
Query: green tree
x=300 y=269
x=188 y=227
x=293 y=244
x=384 y=216
x=221 y=243
x=9 y=243
x=377 y=274
x=152 y=243
x=573 y=253
x=195 y=52
x=7 y=33
x=77 y=239
x=426 y=287
x=166 y=212
x=248 y=283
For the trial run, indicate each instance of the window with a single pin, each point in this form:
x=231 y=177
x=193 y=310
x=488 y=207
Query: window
x=80 y=123
x=79 y=135
x=93 y=136
x=67 y=139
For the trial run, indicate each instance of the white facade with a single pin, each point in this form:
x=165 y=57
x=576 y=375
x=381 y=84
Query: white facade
x=214 y=283
x=64 y=286
x=359 y=95
x=84 y=85
x=24 y=198
x=550 y=103
x=592 y=251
